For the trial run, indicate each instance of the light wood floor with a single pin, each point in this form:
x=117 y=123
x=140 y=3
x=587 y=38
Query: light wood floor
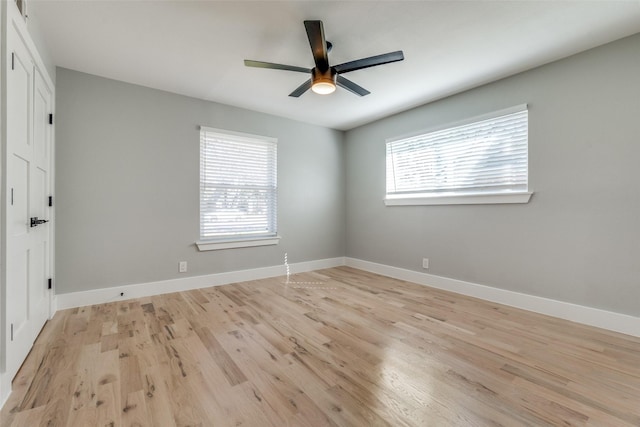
x=337 y=347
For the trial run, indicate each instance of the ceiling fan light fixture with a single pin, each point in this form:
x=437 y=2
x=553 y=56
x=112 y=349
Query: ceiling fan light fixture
x=323 y=88
x=323 y=83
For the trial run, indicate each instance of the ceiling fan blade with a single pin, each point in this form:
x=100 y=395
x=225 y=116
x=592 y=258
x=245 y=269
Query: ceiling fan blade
x=301 y=89
x=315 y=33
x=351 y=86
x=271 y=65
x=371 y=61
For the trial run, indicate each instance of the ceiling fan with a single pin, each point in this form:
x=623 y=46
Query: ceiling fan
x=325 y=78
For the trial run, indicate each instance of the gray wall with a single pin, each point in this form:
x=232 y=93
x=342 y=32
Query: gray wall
x=127 y=185
x=577 y=240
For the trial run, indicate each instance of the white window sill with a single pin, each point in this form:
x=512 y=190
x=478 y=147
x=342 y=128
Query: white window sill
x=237 y=243
x=460 y=199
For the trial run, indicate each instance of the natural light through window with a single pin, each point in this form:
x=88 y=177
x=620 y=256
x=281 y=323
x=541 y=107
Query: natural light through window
x=483 y=160
x=238 y=189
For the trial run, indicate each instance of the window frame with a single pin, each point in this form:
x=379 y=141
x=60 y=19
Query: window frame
x=237 y=240
x=459 y=197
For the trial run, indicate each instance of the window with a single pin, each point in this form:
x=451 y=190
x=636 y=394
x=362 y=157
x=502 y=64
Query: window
x=484 y=160
x=238 y=190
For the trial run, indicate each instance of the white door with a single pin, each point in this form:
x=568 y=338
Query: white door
x=39 y=192
x=28 y=165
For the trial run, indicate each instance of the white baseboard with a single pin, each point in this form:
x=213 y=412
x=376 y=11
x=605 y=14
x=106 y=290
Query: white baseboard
x=612 y=321
x=99 y=296
x=617 y=322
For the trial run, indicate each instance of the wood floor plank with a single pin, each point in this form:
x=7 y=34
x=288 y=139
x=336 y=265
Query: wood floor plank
x=29 y=417
x=231 y=371
x=336 y=347
x=157 y=397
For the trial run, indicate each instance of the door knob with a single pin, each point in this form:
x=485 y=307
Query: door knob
x=35 y=221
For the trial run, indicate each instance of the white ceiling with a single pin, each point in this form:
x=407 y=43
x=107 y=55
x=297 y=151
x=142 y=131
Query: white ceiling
x=197 y=48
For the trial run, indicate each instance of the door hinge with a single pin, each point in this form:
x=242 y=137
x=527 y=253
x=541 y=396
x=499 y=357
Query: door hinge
x=50 y=200
x=50 y=283
x=13 y=60
x=12 y=332
x=51 y=118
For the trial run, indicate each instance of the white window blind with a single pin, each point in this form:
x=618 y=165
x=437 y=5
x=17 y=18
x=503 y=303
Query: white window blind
x=238 y=185
x=487 y=156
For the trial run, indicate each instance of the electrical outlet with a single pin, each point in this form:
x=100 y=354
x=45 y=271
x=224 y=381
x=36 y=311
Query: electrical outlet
x=425 y=263
x=182 y=267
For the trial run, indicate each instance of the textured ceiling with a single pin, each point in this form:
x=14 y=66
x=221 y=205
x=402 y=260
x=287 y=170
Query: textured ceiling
x=197 y=48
